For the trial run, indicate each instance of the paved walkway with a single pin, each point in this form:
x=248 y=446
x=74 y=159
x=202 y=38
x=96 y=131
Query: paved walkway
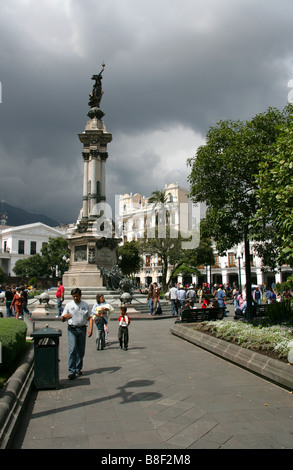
x=163 y=393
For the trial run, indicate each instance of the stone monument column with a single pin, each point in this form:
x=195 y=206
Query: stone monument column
x=104 y=157
x=92 y=251
x=85 y=185
x=93 y=181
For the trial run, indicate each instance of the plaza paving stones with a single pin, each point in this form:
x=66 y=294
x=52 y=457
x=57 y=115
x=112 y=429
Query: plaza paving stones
x=163 y=393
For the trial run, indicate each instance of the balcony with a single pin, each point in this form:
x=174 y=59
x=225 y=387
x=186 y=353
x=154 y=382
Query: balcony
x=5 y=253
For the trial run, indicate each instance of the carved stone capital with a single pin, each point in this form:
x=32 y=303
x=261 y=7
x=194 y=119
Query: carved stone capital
x=94 y=153
x=104 y=156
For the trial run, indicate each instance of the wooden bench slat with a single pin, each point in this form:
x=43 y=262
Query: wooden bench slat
x=201 y=314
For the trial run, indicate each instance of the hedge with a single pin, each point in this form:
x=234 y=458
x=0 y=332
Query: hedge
x=12 y=339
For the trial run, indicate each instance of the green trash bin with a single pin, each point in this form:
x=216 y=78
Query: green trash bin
x=46 y=357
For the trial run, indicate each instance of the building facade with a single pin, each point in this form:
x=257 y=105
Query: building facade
x=136 y=216
x=22 y=242
x=230 y=269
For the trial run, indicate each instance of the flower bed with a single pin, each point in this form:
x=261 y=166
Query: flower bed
x=275 y=341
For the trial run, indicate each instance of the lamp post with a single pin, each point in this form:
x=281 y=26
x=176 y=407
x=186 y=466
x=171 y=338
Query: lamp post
x=65 y=261
x=239 y=270
x=248 y=312
x=206 y=265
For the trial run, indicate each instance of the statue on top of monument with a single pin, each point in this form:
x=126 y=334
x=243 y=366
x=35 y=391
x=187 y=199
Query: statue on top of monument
x=97 y=93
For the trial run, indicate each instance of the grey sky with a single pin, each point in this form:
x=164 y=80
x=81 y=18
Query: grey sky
x=173 y=69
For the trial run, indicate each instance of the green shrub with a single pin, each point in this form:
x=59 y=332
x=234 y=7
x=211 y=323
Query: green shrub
x=279 y=312
x=12 y=339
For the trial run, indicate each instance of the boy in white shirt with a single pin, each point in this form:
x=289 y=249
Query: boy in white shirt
x=124 y=322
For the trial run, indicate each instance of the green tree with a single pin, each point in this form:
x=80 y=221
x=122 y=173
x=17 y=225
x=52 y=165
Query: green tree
x=55 y=253
x=2 y=274
x=174 y=257
x=157 y=197
x=158 y=200
x=169 y=248
x=130 y=261
x=275 y=193
x=223 y=174
x=32 y=267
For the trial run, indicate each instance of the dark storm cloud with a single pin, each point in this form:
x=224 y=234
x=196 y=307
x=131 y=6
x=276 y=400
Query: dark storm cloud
x=172 y=70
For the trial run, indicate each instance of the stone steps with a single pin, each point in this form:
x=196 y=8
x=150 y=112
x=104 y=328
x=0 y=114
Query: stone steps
x=113 y=297
x=138 y=303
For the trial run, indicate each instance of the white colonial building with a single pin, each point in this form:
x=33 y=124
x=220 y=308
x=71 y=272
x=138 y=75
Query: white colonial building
x=136 y=215
x=230 y=269
x=23 y=241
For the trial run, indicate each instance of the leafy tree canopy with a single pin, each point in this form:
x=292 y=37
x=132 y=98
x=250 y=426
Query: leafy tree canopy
x=34 y=266
x=275 y=193
x=54 y=253
x=224 y=172
x=130 y=261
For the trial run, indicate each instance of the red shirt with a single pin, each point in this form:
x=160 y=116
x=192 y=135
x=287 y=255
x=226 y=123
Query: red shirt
x=60 y=291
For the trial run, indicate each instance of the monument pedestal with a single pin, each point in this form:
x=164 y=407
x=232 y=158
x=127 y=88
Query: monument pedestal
x=82 y=275
x=88 y=254
x=41 y=311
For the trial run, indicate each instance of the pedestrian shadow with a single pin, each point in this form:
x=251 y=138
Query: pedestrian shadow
x=101 y=370
x=125 y=395
x=115 y=343
x=66 y=383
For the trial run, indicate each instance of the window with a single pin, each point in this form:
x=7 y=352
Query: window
x=231 y=260
x=216 y=265
x=21 y=247
x=33 y=248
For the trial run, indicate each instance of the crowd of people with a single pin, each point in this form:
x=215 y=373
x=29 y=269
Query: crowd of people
x=260 y=295
x=16 y=301
x=186 y=296
x=79 y=315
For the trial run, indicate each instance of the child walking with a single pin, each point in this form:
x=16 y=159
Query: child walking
x=101 y=303
x=124 y=322
x=17 y=302
x=102 y=325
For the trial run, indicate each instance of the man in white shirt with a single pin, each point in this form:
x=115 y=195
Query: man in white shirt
x=191 y=295
x=78 y=314
x=173 y=300
x=181 y=296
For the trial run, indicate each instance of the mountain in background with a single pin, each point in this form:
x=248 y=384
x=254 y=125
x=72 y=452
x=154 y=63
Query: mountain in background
x=17 y=216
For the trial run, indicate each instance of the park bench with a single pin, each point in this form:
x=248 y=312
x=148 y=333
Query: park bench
x=201 y=314
x=258 y=311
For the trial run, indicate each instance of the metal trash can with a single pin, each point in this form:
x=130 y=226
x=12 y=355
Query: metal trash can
x=46 y=358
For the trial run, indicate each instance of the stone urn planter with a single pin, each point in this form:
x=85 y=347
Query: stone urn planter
x=126 y=298
x=44 y=298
